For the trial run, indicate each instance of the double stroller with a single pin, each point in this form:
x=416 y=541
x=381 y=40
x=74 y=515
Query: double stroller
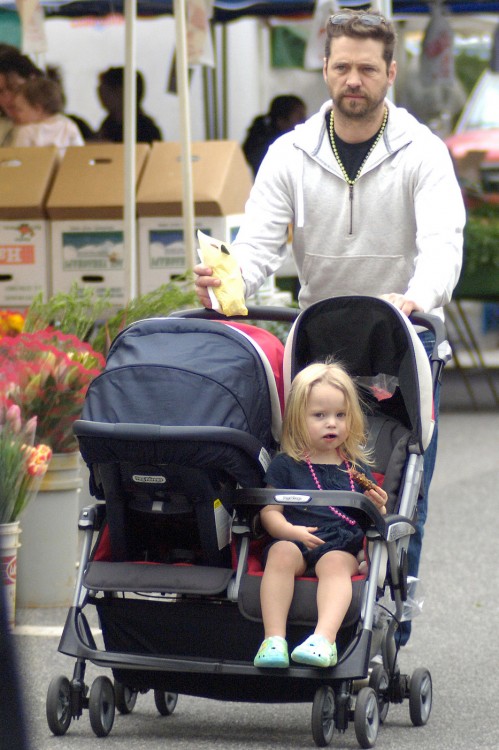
x=177 y=433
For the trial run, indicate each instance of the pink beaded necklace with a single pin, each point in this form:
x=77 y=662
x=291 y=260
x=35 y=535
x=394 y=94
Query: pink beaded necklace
x=319 y=487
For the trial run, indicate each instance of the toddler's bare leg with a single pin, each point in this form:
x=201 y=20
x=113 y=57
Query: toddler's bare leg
x=334 y=592
x=284 y=562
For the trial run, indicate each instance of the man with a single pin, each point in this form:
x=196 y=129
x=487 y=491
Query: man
x=370 y=193
x=111 y=95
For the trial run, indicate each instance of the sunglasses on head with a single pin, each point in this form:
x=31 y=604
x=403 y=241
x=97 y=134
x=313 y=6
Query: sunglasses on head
x=365 y=19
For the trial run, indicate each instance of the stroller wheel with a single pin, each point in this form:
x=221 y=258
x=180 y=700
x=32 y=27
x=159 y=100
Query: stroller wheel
x=165 y=702
x=420 y=696
x=101 y=706
x=323 y=714
x=58 y=705
x=380 y=682
x=366 y=717
x=125 y=698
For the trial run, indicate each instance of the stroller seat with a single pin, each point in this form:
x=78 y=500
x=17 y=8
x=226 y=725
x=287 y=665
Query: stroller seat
x=184 y=411
x=387 y=441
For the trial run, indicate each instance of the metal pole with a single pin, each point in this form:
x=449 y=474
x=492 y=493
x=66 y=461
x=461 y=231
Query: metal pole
x=185 y=122
x=129 y=138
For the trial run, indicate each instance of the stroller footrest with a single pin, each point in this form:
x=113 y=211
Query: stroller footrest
x=303 y=610
x=156 y=578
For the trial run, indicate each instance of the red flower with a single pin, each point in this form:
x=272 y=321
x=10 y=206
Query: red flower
x=47 y=374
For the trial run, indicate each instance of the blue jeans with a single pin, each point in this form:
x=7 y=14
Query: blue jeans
x=430 y=456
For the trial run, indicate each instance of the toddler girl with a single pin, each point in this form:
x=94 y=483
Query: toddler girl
x=37 y=111
x=322 y=443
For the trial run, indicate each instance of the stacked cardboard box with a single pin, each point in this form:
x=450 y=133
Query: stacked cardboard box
x=86 y=206
x=221 y=186
x=26 y=175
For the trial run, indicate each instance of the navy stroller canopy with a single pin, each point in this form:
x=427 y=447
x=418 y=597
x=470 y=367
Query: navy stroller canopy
x=181 y=390
x=181 y=372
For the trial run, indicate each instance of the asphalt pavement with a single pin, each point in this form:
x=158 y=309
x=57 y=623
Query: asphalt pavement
x=455 y=637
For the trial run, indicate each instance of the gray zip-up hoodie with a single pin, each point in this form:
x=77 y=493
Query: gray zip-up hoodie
x=398 y=229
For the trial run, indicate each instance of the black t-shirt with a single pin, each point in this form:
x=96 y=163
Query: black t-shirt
x=352 y=155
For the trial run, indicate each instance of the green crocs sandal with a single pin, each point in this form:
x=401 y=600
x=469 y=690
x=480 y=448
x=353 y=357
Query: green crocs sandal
x=272 y=653
x=316 y=651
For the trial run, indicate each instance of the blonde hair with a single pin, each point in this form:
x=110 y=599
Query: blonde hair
x=295 y=437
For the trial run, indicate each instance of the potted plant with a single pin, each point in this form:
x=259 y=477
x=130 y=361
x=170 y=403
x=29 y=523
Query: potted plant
x=78 y=312
x=23 y=467
x=480 y=275
x=47 y=373
x=23 y=463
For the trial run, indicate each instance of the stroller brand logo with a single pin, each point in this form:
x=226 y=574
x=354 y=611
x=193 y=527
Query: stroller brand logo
x=148 y=479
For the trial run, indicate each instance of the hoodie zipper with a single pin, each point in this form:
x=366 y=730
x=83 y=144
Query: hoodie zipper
x=350 y=196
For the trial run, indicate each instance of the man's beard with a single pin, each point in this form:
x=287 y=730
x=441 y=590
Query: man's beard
x=358 y=109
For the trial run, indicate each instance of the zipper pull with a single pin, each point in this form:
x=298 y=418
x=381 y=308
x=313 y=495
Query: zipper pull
x=350 y=192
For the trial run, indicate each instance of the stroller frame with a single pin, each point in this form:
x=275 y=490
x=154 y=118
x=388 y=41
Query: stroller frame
x=349 y=691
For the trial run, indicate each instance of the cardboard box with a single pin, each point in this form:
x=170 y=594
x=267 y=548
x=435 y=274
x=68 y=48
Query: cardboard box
x=220 y=175
x=86 y=206
x=92 y=253
x=26 y=175
x=162 y=247
x=90 y=182
x=221 y=186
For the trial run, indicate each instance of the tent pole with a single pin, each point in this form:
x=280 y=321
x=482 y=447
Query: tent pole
x=185 y=124
x=130 y=137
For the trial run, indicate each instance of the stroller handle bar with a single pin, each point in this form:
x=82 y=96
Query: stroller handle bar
x=264 y=313
x=289 y=314
x=155 y=432
x=390 y=527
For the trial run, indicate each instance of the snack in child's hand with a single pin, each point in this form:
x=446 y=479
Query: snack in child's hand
x=361 y=479
x=228 y=298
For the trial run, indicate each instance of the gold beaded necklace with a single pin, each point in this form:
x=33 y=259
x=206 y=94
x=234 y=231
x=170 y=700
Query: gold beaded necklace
x=337 y=156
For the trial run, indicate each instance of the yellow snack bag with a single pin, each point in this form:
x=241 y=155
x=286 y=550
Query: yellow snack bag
x=228 y=298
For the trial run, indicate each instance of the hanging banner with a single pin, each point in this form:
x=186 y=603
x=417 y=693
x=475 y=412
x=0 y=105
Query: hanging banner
x=435 y=95
x=314 y=53
x=199 y=41
x=32 y=19
x=437 y=59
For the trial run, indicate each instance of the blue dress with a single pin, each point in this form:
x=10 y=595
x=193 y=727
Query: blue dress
x=286 y=473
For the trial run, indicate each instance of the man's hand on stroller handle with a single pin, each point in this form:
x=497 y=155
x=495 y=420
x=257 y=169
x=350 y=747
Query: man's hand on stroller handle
x=403 y=303
x=204 y=279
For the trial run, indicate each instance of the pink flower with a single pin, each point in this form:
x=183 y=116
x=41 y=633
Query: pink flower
x=23 y=465
x=13 y=418
x=47 y=374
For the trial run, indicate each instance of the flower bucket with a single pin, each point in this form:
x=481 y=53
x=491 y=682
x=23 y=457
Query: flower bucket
x=9 y=544
x=48 y=561
x=63 y=472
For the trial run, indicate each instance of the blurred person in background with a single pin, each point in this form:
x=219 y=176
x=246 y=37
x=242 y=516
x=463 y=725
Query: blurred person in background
x=12 y=719
x=111 y=94
x=15 y=69
x=37 y=113
x=284 y=114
